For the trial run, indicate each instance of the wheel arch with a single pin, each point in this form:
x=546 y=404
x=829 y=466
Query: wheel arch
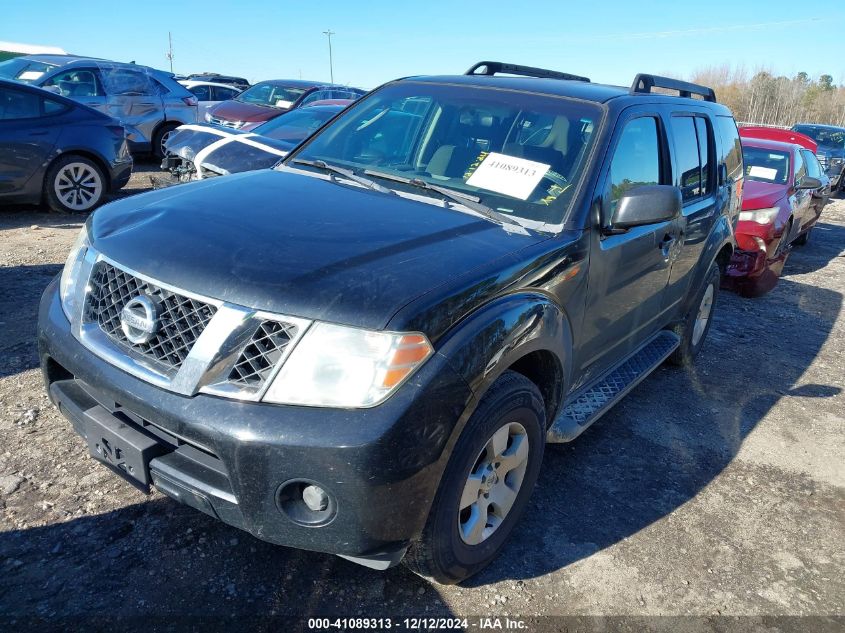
x=526 y=332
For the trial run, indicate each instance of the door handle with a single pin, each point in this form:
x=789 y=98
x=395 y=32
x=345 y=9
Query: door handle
x=39 y=133
x=666 y=244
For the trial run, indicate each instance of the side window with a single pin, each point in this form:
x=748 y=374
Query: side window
x=686 y=156
x=705 y=142
x=813 y=167
x=223 y=94
x=731 y=146
x=16 y=104
x=128 y=83
x=76 y=83
x=800 y=168
x=53 y=107
x=202 y=93
x=636 y=160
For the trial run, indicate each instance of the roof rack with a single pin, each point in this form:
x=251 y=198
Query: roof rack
x=643 y=83
x=491 y=68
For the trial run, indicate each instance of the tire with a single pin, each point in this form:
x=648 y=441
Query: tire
x=74 y=184
x=160 y=137
x=449 y=550
x=692 y=330
x=802 y=239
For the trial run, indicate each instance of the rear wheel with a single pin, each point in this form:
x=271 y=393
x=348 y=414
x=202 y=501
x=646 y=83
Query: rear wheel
x=802 y=239
x=486 y=485
x=160 y=138
x=695 y=326
x=74 y=184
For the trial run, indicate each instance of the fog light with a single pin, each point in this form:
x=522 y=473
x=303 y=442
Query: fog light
x=306 y=502
x=315 y=498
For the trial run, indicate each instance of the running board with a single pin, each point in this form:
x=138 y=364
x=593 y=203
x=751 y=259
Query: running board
x=594 y=401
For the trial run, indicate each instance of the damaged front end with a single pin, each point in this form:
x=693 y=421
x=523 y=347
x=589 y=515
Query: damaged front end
x=197 y=152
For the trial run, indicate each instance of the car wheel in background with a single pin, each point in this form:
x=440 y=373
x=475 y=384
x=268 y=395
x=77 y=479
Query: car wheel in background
x=486 y=485
x=802 y=239
x=74 y=184
x=695 y=326
x=160 y=138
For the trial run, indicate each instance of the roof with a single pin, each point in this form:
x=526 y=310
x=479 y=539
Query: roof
x=188 y=83
x=823 y=126
x=587 y=91
x=765 y=143
x=295 y=83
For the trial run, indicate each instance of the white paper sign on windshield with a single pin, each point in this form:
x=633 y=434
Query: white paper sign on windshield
x=512 y=176
x=763 y=172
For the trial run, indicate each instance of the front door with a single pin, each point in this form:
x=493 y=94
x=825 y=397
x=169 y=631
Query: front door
x=628 y=272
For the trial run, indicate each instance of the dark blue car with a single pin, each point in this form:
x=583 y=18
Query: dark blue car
x=58 y=151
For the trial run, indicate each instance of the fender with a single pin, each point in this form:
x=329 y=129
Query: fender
x=722 y=235
x=488 y=341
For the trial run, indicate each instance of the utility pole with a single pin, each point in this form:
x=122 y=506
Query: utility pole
x=329 y=34
x=170 y=50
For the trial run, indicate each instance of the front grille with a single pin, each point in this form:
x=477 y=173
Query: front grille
x=223 y=122
x=181 y=319
x=259 y=357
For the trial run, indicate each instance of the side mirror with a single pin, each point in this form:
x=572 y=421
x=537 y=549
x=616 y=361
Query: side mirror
x=808 y=182
x=54 y=89
x=646 y=204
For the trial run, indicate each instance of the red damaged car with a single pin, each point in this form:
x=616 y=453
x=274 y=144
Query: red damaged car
x=782 y=199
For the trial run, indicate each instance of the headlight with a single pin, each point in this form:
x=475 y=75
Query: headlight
x=207 y=116
x=69 y=284
x=760 y=216
x=337 y=366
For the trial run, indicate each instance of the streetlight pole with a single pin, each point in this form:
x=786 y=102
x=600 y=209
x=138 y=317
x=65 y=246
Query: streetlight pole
x=329 y=34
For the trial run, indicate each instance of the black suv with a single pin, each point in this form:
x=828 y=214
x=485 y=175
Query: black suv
x=831 y=151
x=364 y=350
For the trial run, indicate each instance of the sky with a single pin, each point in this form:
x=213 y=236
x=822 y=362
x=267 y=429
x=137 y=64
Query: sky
x=609 y=41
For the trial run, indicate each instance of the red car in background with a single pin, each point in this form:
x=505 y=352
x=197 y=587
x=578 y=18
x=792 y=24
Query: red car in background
x=268 y=99
x=778 y=209
x=778 y=134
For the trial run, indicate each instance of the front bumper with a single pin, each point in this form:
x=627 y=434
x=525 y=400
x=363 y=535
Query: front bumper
x=381 y=466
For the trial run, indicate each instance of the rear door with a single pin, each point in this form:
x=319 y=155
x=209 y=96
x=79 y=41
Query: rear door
x=819 y=196
x=134 y=99
x=28 y=133
x=694 y=171
x=628 y=272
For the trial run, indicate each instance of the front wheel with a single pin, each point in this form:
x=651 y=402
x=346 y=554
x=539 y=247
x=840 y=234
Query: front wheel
x=486 y=485
x=695 y=326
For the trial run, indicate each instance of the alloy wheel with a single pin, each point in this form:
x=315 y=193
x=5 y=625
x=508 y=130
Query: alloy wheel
x=703 y=315
x=493 y=483
x=78 y=186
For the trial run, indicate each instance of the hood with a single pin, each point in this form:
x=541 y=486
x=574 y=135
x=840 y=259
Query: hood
x=298 y=245
x=234 y=151
x=249 y=112
x=761 y=195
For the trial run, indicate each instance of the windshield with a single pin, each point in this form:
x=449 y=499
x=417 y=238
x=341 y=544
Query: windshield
x=766 y=165
x=271 y=94
x=24 y=70
x=297 y=124
x=828 y=137
x=519 y=154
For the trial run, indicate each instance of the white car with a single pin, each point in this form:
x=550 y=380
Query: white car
x=209 y=93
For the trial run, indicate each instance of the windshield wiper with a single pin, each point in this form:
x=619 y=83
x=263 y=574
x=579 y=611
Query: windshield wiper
x=469 y=201
x=346 y=173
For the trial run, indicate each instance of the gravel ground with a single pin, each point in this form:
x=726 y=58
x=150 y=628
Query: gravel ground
x=714 y=491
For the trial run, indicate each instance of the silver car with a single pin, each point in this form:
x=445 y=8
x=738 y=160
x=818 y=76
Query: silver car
x=149 y=103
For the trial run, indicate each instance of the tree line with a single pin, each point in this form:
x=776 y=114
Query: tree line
x=771 y=99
